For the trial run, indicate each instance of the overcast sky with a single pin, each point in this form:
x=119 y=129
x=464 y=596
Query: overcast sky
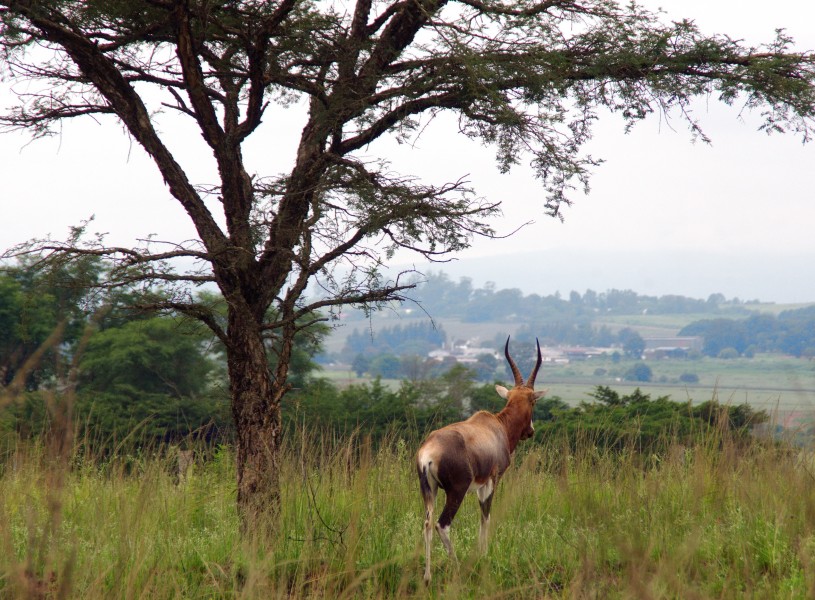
x=664 y=215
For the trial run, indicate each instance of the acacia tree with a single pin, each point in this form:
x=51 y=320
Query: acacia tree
x=526 y=76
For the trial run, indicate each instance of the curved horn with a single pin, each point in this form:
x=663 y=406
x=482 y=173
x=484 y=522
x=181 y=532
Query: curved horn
x=519 y=380
x=530 y=383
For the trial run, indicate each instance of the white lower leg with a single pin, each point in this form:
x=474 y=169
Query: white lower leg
x=485 y=500
x=483 y=533
x=444 y=534
x=428 y=540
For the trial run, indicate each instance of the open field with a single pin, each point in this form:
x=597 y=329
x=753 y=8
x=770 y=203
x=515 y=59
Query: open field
x=766 y=381
x=709 y=521
x=650 y=325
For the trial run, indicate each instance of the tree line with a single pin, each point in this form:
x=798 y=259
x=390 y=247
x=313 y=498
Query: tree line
x=734 y=329
x=552 y=319
x=413 y=338
x=791 y=332
x=443 y=297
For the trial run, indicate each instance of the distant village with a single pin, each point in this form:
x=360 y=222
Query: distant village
x=655 y=348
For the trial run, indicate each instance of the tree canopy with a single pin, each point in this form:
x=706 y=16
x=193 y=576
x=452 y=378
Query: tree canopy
x=41 y=309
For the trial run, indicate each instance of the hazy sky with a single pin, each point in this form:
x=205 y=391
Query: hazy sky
x=664 y=215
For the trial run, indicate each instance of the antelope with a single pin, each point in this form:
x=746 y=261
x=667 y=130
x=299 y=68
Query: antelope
x=471 y=456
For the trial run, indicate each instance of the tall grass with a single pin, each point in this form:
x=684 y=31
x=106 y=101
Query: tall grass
x=716 y=519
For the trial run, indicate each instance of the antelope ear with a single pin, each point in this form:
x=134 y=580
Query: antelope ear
x=502 y=391
x=541 y=394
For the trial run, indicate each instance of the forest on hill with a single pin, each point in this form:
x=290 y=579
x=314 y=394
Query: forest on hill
x=729 y=327
x=441 y=297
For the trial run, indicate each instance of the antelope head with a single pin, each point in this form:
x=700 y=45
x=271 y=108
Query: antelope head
x=521 y=398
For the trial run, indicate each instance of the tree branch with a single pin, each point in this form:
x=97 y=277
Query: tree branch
x=128 y=106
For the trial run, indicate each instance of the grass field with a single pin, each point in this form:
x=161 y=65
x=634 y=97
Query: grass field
x=714 y=520
x=766 y=381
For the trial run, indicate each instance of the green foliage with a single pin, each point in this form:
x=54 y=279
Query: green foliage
x=385 y=365
x=27 y=416
x=633 y=344
x=613 y=421
x=485 y=398
x=37 y=302
x=728 y=353
x=607 y=396
x=154 y=377
x=164 y=376
x=689 y=378
x=159 y=355
x=548 y=408
x=416 y=406
x=150 y=373
x=360 y=364
x=738 y=418
x=639 y=424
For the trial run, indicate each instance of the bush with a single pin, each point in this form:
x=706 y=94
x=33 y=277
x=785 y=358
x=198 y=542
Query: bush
x=689 y=378
x=387 y=366
x=639 y=372
x=729 y=353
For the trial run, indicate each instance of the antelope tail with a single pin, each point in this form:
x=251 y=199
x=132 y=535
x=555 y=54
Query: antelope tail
x=424 y=484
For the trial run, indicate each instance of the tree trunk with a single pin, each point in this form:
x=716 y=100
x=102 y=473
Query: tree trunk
x=256 y=413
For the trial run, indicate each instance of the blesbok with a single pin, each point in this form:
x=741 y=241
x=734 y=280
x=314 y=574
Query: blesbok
x=471 y=456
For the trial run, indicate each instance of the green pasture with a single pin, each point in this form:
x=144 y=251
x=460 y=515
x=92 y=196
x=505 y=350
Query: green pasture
x=649 y=325
x=766 y=381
